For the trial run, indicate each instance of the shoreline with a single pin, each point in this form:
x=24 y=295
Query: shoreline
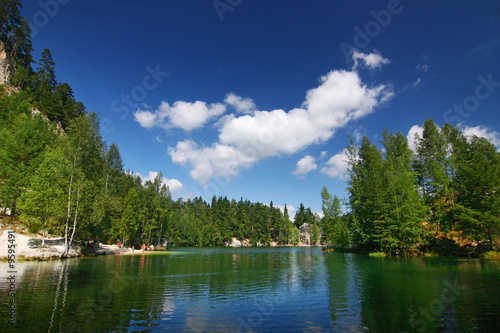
x=28 y=247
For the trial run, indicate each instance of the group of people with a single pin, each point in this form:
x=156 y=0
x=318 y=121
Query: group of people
x=143 y=247
x=147 y=248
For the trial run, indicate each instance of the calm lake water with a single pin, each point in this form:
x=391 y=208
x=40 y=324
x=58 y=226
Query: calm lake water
x=253 y=289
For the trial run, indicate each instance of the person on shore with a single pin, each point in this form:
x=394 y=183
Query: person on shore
x=119 y=245
x=143 y=247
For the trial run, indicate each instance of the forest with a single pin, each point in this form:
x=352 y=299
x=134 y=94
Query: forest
x=58 y=176
x=442 y=199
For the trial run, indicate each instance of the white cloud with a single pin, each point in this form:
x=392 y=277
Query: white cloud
x=219 y=160
x=185 y=115
x=359 y=133
x=336 y=166
x=189 y=116
x=242 y=105
x=422 y=67
x=479 y=131
x=145 y=118
x=415 y=129
x=483 y=132
x=305 y=165
x=341 y=97
x=174 y=185
x=372 y=60
x=416 y=83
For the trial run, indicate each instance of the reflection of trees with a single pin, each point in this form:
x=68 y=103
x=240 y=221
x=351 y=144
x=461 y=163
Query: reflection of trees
x=115 y=292
x=198 y=287
x=344 y=293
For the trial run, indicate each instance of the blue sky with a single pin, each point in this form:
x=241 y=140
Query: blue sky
x=255 y=99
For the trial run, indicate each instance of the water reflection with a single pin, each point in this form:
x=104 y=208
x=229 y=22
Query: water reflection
x=283 y=289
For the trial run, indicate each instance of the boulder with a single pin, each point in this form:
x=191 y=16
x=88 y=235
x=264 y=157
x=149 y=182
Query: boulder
x=234 y=243
x=305 y=234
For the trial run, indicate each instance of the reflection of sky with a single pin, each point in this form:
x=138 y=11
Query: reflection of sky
x=248 y=289
x=290 y=290
x=349 y=318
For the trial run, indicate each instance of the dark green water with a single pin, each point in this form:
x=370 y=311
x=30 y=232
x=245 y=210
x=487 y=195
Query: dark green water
x=253 y=289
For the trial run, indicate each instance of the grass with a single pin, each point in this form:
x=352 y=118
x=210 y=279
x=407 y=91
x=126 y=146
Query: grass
x=377 y=254
x=491 y=255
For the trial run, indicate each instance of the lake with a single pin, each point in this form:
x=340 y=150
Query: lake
x=253 y=289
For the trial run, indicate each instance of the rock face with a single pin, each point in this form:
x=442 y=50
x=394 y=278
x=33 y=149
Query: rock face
x=305 y=234
x=237 y=243
x=5 y=68
x=234 y=243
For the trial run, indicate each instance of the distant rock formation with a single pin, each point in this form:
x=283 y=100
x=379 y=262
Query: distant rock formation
x=237 y=243
x=5 y=67
x=234 y=243
x=305 y=234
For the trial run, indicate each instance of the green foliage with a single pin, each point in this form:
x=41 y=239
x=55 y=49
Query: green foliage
x=433 y=166
x=400 y=201
x=315 y=234
x=56 y=167
x=15 y=33
x=491 y=255
x=336 y=231
x=21 y=144
x=43 y=205
x=366 y=187
x=478 y=198
x=402 y=204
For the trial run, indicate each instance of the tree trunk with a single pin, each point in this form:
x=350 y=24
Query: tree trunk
x=74 y=221
x=68 y=214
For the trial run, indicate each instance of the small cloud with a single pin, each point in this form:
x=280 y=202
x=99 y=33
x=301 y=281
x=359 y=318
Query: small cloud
x=185 y=115
x=145 y=118
x=336 y=166
x=188 y=196
x=483 y=132
x=372 y=60
x=416 y=83
x=323 y=155
x=158 y=139
x=174 y=185
x=241 y=105
x=422 y=67
x=305 y=165
x=414 y=130
x=359 y=133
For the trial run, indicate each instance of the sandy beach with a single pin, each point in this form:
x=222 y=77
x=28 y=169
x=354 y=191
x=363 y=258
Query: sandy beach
x=30 y=247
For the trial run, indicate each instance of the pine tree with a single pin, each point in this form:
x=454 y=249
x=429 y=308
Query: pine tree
x=432 y=164
x=21 y=146
x=366 y=189
x=478 y=191
x=404 y=210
